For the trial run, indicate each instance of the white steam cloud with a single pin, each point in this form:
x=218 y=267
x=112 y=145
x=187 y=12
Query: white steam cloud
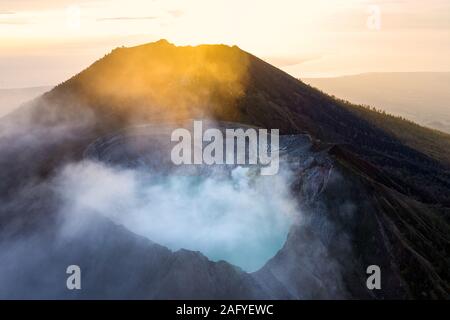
x=243 y=218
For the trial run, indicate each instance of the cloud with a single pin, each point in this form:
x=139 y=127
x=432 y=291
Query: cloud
x=126 y=18
x=32 y=5
x=14 y=22
x=176 y=13
x=243 y=219
x=10 y=18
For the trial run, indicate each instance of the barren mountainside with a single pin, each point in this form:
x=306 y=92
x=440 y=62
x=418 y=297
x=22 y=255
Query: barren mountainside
x=381 y=182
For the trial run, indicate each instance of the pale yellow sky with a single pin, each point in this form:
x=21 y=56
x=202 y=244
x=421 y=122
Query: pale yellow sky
x=47 y=41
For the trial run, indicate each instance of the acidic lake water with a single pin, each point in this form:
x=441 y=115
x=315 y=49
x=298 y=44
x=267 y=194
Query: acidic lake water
x=243 y=220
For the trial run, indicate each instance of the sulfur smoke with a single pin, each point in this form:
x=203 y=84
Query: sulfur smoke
x=243 y=219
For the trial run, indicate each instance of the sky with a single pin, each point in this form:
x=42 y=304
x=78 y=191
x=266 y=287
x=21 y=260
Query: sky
x=47 y=41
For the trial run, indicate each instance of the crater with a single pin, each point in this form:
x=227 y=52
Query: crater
x=227 y=212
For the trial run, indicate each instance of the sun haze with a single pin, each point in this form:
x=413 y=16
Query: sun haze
x=46 y=42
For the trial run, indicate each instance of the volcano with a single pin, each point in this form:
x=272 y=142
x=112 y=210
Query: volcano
x=372 y=189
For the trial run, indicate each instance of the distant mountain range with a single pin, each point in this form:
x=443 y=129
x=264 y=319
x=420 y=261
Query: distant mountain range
x=422 y=97
x=375 y=188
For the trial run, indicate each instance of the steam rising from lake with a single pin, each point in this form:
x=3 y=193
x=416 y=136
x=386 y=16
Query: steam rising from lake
x=242 y=218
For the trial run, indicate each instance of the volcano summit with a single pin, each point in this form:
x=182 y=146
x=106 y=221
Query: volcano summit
x=89 y=182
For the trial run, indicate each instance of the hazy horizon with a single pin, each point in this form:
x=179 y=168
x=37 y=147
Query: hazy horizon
x=422 y=97
x=51 y=85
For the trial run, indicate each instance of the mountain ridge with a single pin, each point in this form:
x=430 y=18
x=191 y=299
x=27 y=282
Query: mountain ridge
x=162 y=81
x=386 y=198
